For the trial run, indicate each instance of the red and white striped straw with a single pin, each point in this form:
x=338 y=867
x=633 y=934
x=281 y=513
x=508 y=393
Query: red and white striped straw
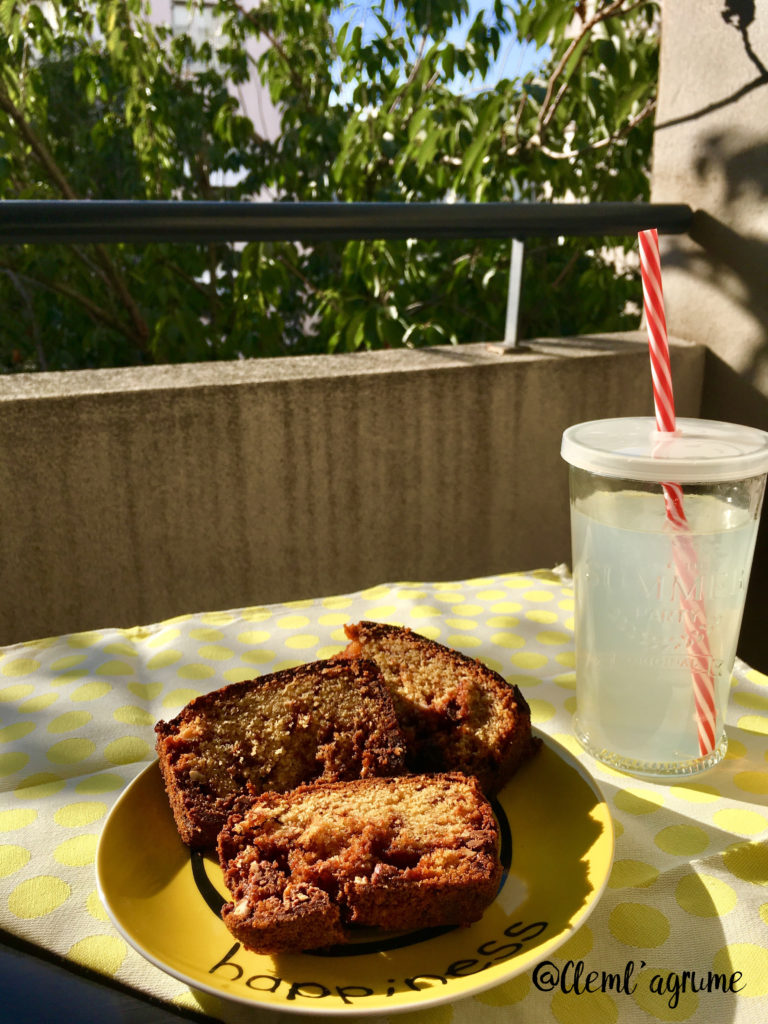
x=684 y=552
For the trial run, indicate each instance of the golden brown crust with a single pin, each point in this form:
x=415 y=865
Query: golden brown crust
x=327 y=719
x=401 y=853
x=455 y=712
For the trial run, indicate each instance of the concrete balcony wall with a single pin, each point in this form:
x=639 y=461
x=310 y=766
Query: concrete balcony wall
x=137 y=494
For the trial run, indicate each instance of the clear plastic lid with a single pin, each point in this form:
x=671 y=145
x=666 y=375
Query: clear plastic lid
x=699 y=451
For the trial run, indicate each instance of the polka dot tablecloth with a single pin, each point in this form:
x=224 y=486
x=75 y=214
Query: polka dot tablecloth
x=688 y=891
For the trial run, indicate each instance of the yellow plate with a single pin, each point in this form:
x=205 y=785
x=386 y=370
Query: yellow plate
x=557 y=848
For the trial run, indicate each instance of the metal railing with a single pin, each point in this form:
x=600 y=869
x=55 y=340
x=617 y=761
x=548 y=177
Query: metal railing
x=41 y=221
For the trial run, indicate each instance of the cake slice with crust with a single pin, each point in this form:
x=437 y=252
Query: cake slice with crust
x=326 y=719
x=403 y=853
x=455 y=712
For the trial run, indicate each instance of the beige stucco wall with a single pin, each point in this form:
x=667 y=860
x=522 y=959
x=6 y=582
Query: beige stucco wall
x=132 y=495
x=711 y=151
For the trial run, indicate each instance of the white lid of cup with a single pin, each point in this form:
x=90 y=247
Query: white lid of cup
x=699 y=451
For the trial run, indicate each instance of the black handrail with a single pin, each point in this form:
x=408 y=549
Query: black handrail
x=138 y=221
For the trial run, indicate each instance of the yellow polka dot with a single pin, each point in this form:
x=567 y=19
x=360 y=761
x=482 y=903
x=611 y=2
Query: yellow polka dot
x=165 y=636
x=695 y=792
x=504 y=995
x=77 y=851
x=493 y=665
x=146 y=691
x=507 y=608
x=754 y=723
x=735 y=749
x=178 y=698
x=541 y=710
x=517 y=582
x=332 y=619
x=632 y=874
x=126 y=750
x=215 y=652
x=682 y=840
x=522 y=680
x=20 y=667
x=566 y=679
x=529 y=660
x=38 y=896
x=17 y=731
x=90 y=691
x=705 y=895
x=95 y=907
x=544 y=618
x=570 y=704
x=302 y=641
x=751 y=961
x=237 y=675
x=461 y=624
x=120 y=647
x=595 y=1007
x=754 y=676
x=577 y=947
x=70 y=721
x=659 y=993
x=12 y=859
x=85 y=639
x=102 y=953
x=448 y=596
x=164 y=658
x=218 y=618
x=115 y=668
x=12 y=762
x=80 y=814
x=195 y=671
x=12 y=821
x=763 y=911
x=40 y=703
x=463 y=641
x=68 y=661
x=131 y=715
x=511 y=640
x=329 y=651
x=383 y=613
x=70 y=751
x=262 y=614
x=467 y=611
x=755 y=701
x=570 y=624
x=427 y=611
x=637 y=801
x=566 y=605
x=39 y=786
x=636 y=924
x=211 y=635
x=735 y=820
x=567 y=658
x=292 y=622
x=503 y=622
x=539 y=595
x=748 y=861
x=104 y=782
x=330 y=602
x=14 y=693
x=429 y=631
x=752 y=782
x=552 y=637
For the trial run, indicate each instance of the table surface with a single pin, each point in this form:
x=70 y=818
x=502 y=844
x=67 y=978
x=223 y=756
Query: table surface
x=686 y=905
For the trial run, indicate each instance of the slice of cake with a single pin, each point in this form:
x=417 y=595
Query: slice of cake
x=327 y=719
x=400 y=853
x=456 y=713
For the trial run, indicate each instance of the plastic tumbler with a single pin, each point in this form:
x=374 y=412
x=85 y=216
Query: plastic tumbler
x=659 y=606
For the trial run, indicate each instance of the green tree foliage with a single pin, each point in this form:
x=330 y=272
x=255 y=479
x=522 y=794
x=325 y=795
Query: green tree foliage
x=96 y=103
